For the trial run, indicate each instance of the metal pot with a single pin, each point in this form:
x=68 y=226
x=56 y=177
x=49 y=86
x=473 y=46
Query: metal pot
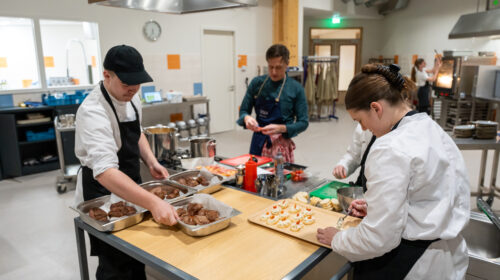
x=163 y=140
x=202 y=147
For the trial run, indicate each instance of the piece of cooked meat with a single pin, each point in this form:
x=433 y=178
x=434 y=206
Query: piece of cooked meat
x=98 y=214
x=201 y=220
x=130 y=210
x=119 y=204
x=202 y=180
x=182 y=181
x=116 y=213
x=193 y=208
x=181 y=212
x=212 y=215
x=191 y=182
x=159 y=192
x=188 y=220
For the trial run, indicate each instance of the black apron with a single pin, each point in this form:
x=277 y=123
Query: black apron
x=423 y=98
x=113 y=264
x=397 y=263
x=268 y=111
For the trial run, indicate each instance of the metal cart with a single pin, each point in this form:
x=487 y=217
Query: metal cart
x=65 y=138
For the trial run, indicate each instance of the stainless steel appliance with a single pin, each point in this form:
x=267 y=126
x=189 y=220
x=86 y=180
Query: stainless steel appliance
x=456 y=74
x=163 y=141
x=202 y=126
x=202 y=147
x=193 y=128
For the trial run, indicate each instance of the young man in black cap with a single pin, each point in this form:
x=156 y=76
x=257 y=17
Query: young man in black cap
x=109 y=143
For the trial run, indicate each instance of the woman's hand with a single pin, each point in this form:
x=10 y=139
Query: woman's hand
x=164 y=213
x=326 y=235
x=274 y=129
x=359 y=208
x=251 y=123
x=158 y=171
x=339 y=172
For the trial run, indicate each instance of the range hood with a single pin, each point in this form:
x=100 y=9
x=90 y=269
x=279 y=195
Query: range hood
x=476 y=25
x=176 y=6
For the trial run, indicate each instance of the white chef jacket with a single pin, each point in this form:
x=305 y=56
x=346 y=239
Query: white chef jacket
x=352 y=159
x=418 y=189
x=421 y=77
x=97 y=134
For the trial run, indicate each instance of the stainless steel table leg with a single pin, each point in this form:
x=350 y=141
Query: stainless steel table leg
x=493 y=180
x=82 y=252
x=482 y=171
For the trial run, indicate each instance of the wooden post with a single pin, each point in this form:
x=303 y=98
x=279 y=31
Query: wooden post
x=286 y=26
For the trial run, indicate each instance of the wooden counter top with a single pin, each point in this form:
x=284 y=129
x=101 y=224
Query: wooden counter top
x=241 y=251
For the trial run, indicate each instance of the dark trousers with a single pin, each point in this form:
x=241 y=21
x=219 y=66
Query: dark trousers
x=116 y=265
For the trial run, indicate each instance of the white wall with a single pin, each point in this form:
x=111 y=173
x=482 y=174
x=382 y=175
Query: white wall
x=181 y=34
x=423 y=27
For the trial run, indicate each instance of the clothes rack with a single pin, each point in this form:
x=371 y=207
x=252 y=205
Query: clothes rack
x=320 y=83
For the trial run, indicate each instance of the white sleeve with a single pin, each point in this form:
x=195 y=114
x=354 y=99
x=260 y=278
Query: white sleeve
x=97 y=147
x=388 y=176
x=352 y=159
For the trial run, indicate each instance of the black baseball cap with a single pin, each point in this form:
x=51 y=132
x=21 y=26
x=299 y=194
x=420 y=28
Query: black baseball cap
x=127 y=63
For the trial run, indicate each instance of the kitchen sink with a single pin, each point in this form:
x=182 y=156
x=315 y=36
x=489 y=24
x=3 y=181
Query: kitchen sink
x=483 y=244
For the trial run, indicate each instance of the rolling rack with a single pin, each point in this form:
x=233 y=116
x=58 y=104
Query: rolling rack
x=307 y=60
x=65 y=137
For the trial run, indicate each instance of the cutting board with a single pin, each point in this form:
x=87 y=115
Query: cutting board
x=324 y=218
x=244 y=158
x=329 y=190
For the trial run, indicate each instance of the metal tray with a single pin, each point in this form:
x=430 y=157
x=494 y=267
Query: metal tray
x=194 y=173
x=203 y=230
x=184 y=191
x=123 y=222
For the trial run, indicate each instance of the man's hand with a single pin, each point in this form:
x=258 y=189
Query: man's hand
x=158 y=171
x=339 y=172
x=274 y=129
x=164 y=213
x=359 y=208
x=326 y=235
x=251 y=123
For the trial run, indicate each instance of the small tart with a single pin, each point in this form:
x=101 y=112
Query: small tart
x=294 y=209
x=296 y=226
x=308 y=211
x=283 y=223
x=275 y=210
x=309 y=220
x=283 y=214
x=284 y=204
x=296 y=217
x=265 y=216
x=272 y=220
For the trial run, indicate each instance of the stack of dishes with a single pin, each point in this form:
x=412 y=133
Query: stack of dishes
x=464 y=131
x=486 y=129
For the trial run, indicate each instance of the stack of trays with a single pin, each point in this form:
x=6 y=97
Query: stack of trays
x=486 y=129
x=464 y=131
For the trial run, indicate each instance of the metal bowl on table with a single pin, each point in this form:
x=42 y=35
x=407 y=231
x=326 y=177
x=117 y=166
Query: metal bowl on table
x=347 y=195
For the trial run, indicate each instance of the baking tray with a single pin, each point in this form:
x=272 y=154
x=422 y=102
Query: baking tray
x=204 y=230
x=194 y=173
x=184 y=191
x=123 y=222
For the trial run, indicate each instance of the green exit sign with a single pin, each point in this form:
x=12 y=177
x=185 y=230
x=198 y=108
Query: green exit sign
x=494 y=4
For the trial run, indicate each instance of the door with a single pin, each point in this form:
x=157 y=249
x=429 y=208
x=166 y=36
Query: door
x=218 y=62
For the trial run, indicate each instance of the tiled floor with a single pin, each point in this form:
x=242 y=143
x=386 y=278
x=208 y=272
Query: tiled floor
x=37 y=239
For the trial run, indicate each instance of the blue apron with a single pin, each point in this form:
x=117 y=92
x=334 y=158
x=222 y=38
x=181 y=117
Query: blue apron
x=268 y=111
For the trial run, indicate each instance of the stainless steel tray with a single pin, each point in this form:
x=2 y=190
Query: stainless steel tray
x=123 y=222
x=203 y=230
x=184 y=191
x=194 y=173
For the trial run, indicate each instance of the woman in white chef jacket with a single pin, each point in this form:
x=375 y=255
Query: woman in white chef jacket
x=423 y=77
x=352 y=159
x=417 y=198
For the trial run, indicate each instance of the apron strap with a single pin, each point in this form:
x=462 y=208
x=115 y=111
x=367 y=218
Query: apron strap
x=279 y=94
x=108 y=99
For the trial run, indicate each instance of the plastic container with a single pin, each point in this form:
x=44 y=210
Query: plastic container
x=250 y=175
x=38 y=136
